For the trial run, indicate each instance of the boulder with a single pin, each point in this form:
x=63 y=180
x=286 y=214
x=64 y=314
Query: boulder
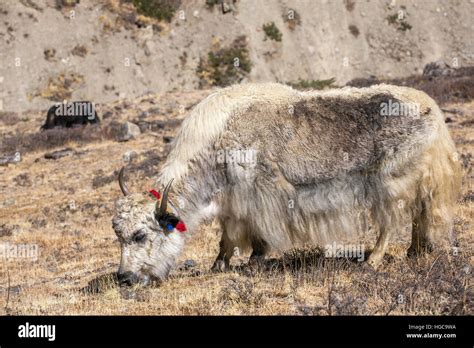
x=7 y=159
x=128 y=131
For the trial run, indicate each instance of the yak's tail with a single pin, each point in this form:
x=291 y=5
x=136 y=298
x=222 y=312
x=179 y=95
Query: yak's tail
x=438 y=191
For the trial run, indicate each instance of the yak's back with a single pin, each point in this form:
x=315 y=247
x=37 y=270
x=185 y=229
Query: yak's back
x=317 y=136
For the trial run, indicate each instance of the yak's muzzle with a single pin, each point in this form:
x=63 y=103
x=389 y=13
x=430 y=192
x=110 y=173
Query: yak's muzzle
x=127 y=278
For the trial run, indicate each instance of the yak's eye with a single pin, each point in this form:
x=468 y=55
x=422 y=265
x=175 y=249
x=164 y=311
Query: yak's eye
x=139 y=237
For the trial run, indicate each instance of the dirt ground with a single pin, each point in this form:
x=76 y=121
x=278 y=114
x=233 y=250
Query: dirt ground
x=63 y=208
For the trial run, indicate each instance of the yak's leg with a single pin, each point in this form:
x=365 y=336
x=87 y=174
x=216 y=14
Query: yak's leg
x=387 y=216
x=430 y=226
x=420 y=241
x=222 y=261
x=259 y=249
x=234 y=234
x=380 y=247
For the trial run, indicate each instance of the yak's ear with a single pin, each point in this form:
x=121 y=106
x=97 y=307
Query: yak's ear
x=168 y=222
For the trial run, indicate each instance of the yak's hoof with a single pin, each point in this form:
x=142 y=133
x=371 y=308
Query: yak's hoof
x=413 y=252
x=220 y=266
x=255 y=265
x=374 y=261
x=257 y=262
x=416 y=251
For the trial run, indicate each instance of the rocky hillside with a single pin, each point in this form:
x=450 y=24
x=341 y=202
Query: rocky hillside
x=101 y=51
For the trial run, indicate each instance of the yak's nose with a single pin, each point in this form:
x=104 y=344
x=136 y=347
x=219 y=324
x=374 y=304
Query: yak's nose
x=127 y=278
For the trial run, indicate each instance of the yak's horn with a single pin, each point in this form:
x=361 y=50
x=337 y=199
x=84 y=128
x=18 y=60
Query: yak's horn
x=161 y=209
x=122 y=184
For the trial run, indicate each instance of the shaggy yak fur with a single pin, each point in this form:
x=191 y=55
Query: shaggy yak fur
x=313 y=163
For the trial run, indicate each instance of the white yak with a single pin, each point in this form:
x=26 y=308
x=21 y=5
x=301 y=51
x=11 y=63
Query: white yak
x=282 y=169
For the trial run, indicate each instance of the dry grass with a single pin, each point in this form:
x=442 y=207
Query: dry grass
x=64 y=206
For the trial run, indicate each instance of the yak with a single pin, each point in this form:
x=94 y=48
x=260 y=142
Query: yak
x=281 y=169
x=70 y=114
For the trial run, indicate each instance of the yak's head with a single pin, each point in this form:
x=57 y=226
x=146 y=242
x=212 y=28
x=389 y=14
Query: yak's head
x=150 y=234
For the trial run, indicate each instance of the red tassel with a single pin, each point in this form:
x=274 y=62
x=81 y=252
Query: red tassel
x=155 y=193
x=180 y=226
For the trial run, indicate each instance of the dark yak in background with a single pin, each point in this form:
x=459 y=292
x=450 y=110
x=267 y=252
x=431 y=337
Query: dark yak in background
x=58 y=115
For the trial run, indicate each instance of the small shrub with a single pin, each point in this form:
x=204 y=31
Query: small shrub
x=6 y=230
x=350 y=5
x=49 y=54
x=392 y=19
x=80 y=51
x=404 y=26
x=225 y=6
x=399 y=21
x=225 y=66
x=272 y=32
x=66 y=3
x=354 y=30
x=158 y=9
x=211 y=3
